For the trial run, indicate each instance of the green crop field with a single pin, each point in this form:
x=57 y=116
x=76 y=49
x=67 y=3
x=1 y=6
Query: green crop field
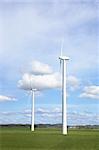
x=48 y=139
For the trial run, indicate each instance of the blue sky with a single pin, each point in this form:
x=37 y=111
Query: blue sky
x=30 y=34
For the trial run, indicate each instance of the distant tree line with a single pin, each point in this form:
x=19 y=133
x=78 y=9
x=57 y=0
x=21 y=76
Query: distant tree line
x=50 y=126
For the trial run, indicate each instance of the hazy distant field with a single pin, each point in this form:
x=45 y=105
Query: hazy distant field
x=48 y=139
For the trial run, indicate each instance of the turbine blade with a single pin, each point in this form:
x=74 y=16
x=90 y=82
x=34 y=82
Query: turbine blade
x=62 y=43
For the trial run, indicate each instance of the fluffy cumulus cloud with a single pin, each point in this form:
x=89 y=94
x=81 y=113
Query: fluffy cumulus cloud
x=39 y=82
x=6 y=98
x=41 y=77
x=90 y=92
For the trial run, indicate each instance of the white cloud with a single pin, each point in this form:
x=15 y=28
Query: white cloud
x=40 y=68
x=41 y=77
x=6 y=98
x=90 y=92
x=39 y=82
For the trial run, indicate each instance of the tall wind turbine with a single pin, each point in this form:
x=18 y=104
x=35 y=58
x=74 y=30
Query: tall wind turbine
x=63 y=60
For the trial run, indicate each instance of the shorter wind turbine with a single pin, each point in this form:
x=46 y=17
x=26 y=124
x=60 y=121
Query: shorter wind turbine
x=33 y=90
x=64 y=59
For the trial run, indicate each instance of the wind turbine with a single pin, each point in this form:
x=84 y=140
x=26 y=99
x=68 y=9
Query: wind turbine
x=33 y=90
x=63 y=60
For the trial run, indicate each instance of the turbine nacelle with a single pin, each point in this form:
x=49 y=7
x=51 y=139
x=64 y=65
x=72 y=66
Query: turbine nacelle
x=63 y=58
x=33 y=90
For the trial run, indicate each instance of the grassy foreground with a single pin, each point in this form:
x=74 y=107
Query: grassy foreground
x=48 y=139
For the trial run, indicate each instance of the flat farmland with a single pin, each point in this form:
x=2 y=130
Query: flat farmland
x=48 y=139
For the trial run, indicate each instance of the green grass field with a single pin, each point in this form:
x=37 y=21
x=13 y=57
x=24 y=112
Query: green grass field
x=48 y=139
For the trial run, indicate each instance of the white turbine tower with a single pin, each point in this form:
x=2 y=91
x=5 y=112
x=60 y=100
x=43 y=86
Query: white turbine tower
x=32 y=109
x=63 y=60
